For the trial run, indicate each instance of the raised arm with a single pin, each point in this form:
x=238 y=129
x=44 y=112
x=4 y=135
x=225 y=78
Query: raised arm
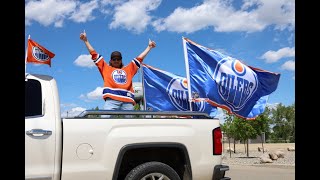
x=151 y=45
x=83 y=37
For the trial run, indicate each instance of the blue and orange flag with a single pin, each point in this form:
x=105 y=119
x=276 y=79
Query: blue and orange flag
x=38 y=54
x=165 y=91
x=226 y=82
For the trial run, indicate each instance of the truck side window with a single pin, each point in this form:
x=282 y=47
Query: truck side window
x=32 y=98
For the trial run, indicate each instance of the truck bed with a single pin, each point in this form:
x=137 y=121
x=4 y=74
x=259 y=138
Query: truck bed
x=100 y=152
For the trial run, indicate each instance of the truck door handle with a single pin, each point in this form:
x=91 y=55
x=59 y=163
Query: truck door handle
x=38 y=132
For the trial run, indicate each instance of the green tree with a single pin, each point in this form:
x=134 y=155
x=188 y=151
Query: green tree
x=233 y=130
x=244 y=131
x=292 y=122
x=226 y=127
x=137 y=107
x=261 y=124
x=283 y=121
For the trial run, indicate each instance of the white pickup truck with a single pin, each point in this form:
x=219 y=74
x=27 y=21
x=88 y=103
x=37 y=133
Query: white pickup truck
x=146 y=145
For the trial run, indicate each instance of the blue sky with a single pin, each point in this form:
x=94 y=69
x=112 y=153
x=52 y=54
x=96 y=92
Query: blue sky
x=261 y=33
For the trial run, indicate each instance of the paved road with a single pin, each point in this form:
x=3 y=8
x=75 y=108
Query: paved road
x=258 y=172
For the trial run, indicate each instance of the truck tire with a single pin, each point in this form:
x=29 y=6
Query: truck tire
x=152 y=170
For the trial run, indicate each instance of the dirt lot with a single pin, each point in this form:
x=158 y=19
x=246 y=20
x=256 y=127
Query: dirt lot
x=244 y=168
x=240 y=157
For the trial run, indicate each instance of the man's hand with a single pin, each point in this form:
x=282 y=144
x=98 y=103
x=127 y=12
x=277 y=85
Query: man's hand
x=152 y=44
x=83 y=36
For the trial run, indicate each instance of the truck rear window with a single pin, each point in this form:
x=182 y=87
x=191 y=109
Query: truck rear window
x=32 y=98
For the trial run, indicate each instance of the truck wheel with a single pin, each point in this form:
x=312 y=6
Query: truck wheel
x=152 y=171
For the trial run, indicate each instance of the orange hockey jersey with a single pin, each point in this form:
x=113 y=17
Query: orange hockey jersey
x=117 y=82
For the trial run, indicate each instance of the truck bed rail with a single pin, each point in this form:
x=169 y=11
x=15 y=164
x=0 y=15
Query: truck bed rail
x=145 y=114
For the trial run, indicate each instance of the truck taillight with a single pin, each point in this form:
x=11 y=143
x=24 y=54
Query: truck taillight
x=217 y=141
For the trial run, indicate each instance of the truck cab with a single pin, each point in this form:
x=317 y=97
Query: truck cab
x=43 y=128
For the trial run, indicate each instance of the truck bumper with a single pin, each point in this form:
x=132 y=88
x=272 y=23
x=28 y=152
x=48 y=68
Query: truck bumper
x=219 y=172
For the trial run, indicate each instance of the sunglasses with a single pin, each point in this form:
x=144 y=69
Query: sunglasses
x=116 y=59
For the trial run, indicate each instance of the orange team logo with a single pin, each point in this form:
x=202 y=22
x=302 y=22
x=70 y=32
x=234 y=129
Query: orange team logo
x=185 y=83
x=38 y=54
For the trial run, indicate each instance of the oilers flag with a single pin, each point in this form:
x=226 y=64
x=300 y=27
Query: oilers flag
x=165 y=91
x=226 y=82
x=38 y=54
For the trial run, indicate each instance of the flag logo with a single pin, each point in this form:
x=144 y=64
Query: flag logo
x=177 y=91
x=165 y=91
x=119 y=76
x=39 y=55
x=226 y=82
x=236 y=82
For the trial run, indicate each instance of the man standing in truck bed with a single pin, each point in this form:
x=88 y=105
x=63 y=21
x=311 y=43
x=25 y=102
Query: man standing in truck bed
x=117 y=91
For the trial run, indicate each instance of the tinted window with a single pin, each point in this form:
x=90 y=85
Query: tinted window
x=32 y=98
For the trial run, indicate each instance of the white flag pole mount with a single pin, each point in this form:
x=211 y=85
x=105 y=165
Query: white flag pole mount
x=25 y=60
x=187 y=71
x=143 y=89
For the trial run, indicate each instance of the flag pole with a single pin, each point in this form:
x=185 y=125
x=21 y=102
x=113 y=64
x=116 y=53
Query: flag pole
x=143 y=91
x=25 y=60
x=187 y=71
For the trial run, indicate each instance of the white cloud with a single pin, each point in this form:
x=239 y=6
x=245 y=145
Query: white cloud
x=84 y=60
x=72 y=112
x=220 y=115
x=96 y=94
x=58 y=23
x=107 y=6
x=274 y=56
x=111 y=2
x=291 y=38
x=67 y=105
x=84 y=13
x=47 y=12
x=255 y=15
x=134 y=15
x=272 y=106
x=289 y=65
x=93 y=95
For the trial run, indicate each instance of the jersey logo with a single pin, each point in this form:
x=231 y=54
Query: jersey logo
x=177 y=90
x=119 y=76
x=236 y=82
x=39 y=55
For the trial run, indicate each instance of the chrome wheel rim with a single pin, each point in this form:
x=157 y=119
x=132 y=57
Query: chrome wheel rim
x=155 y=176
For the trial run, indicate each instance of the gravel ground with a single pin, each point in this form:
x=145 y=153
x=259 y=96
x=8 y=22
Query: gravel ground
x=240 y=157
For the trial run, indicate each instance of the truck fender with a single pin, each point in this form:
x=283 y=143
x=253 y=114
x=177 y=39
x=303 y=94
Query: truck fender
x=129 y=147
